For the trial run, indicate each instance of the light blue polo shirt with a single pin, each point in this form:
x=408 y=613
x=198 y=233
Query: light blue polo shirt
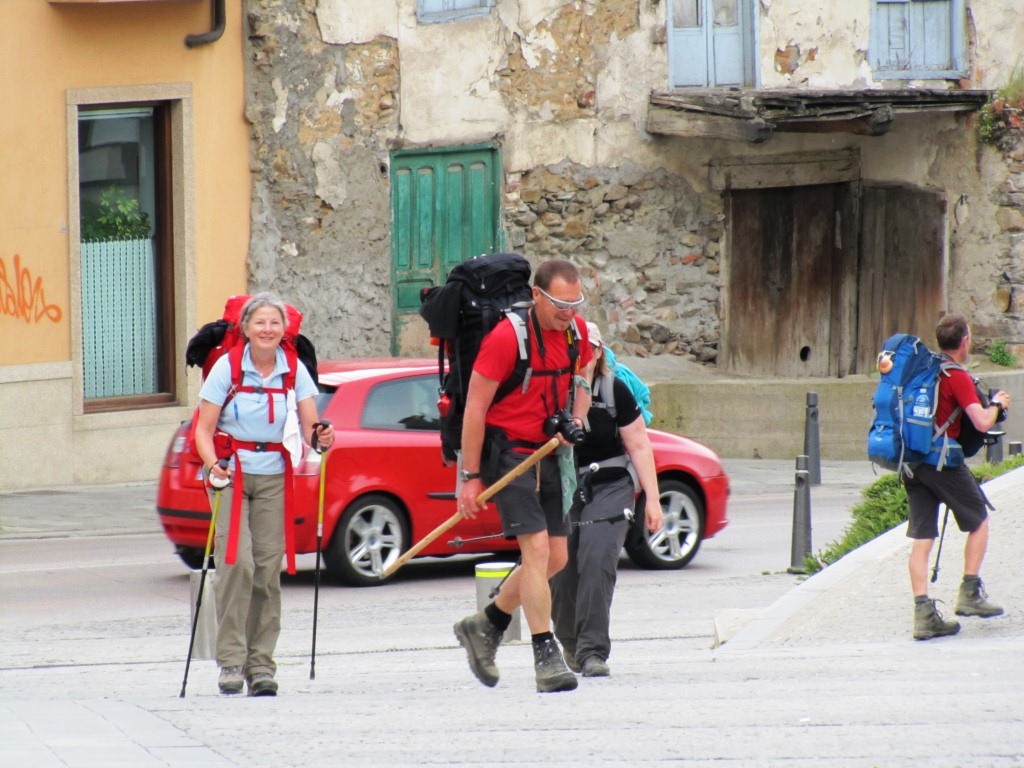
x=246 y=416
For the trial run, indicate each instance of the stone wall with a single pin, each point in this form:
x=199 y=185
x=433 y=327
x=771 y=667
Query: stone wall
x=561 y=87
x=1008 y=294
x=647 y=244
x=322 y=116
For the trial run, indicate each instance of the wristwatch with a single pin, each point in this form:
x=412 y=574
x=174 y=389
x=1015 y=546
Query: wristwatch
x=470 y=475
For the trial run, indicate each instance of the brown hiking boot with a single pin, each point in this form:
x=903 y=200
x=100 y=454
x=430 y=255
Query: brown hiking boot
x=481 y=639
x=552 y=674
x=928 y=622
x=973 y=600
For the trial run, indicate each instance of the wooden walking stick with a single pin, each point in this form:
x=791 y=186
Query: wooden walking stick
x=452 y=521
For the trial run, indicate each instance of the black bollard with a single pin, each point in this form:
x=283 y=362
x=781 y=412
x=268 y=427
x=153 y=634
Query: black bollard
x=1015 y=448
x=812 y=440
x=801 y=518
x=994 y=447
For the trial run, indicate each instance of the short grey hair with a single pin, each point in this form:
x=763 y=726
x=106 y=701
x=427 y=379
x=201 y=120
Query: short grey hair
x=258 y=301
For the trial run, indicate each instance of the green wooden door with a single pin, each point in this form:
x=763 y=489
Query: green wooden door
x=444 y=209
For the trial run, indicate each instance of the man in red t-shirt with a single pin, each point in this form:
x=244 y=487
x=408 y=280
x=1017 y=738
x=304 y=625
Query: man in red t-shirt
x=497 y=437
x=953 y=486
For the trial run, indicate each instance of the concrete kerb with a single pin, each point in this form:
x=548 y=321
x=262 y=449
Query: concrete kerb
x=762 y=624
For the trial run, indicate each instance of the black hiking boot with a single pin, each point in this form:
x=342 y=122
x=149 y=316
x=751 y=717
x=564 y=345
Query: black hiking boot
x=928 y=622
x=973 y=600
x=481 y=639
x=552 y=674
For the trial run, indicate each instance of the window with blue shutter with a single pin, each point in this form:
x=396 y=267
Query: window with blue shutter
x=917 y=39
x=711 y=42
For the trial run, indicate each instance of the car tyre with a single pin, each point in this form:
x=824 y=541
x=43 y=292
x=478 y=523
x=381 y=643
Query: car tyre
x=193 y=557
x=676 y=544
x=371 y=534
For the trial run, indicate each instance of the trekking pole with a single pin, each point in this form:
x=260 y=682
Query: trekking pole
x=938 y=554
x=452 y=521
x=219 y=485
x=319 y=543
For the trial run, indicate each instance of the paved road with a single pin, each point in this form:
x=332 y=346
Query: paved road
x=825 y=675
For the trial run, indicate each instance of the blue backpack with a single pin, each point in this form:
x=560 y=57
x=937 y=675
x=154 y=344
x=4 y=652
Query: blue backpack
x=903 y=433
x=641 y=392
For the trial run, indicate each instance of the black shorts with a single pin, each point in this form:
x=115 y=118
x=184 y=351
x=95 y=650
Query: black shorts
x=953 y=486
x=523 y=508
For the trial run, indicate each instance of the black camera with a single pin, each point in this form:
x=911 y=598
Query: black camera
x=561 y=423
x=1002 y=411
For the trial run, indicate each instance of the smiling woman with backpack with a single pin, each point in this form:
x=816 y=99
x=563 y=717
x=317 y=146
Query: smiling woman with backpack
x=254 y=416
x=615 y=460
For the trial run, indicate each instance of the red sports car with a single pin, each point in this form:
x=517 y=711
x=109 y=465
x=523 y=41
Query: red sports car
x=387 y=488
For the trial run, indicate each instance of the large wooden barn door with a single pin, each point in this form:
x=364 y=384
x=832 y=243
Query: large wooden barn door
x=902 y=266
x=788 y=310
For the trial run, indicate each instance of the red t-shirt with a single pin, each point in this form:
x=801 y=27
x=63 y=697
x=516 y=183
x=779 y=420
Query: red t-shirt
x=521 y=415
x=956 y=389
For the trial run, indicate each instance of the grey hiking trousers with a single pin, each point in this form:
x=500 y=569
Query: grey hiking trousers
x=581 y=593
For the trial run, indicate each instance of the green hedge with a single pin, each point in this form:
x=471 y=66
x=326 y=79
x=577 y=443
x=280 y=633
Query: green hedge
x=884 y=507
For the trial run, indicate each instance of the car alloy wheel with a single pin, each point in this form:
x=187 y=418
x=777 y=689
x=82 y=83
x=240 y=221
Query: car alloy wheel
x=679 y=538
x=370 y=536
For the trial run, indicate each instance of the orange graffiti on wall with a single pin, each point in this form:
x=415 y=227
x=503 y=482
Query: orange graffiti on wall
x=21 y=297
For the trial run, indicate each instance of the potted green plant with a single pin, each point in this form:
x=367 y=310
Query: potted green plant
x=118 y=217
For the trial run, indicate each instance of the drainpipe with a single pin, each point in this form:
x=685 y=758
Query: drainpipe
x=214 y=34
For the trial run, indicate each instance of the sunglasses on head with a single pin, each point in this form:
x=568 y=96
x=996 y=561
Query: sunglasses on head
x=561 y=305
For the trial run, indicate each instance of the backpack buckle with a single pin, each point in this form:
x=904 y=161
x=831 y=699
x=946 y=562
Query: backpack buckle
x=259 y=447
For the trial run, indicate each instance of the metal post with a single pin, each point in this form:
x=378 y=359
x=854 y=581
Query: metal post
x=488 y=577
x=1015 y=448
x=801 y=518
x=994 y=448
x=812 y=441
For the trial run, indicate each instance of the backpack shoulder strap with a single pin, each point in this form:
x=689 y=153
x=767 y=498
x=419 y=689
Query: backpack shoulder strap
x=523 y=372
x=604 y=388
x=235 y=364
x=291 y=355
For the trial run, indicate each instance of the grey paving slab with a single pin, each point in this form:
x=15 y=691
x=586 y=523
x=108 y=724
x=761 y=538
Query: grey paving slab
x=825 y=676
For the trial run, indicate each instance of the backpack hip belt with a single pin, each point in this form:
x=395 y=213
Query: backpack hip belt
x=231 y=447
x=622 y=462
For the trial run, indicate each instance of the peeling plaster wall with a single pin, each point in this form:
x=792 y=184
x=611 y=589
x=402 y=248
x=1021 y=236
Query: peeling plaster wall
x=825 y=45
x=562 y=87
x=984 y=192
x=814 y=45
x=322 y=116
x=997 y=27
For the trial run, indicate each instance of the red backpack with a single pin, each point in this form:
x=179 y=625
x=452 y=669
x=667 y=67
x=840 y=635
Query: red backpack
x=224 y=336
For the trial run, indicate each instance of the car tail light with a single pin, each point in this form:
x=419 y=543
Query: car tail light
x=174 y=451
x=310 y=464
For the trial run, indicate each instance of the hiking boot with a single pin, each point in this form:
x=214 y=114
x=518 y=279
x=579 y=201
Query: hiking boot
x=595 y=667
x=262 y=684
x=928 y=622
x=230 y=680
x=552 y=674
x=481 y=639
x=570 y=660
x=973 y=600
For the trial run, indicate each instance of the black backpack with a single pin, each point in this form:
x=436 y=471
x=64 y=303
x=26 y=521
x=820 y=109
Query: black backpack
x=478 y=294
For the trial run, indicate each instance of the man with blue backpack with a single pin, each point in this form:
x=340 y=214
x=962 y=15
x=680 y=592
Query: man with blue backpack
x=943 y=478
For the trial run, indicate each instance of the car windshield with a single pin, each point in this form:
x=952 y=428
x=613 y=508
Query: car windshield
x=406 y=403
x=323 y=398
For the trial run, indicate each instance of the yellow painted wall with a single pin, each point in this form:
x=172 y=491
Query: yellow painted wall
x=52 y=47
